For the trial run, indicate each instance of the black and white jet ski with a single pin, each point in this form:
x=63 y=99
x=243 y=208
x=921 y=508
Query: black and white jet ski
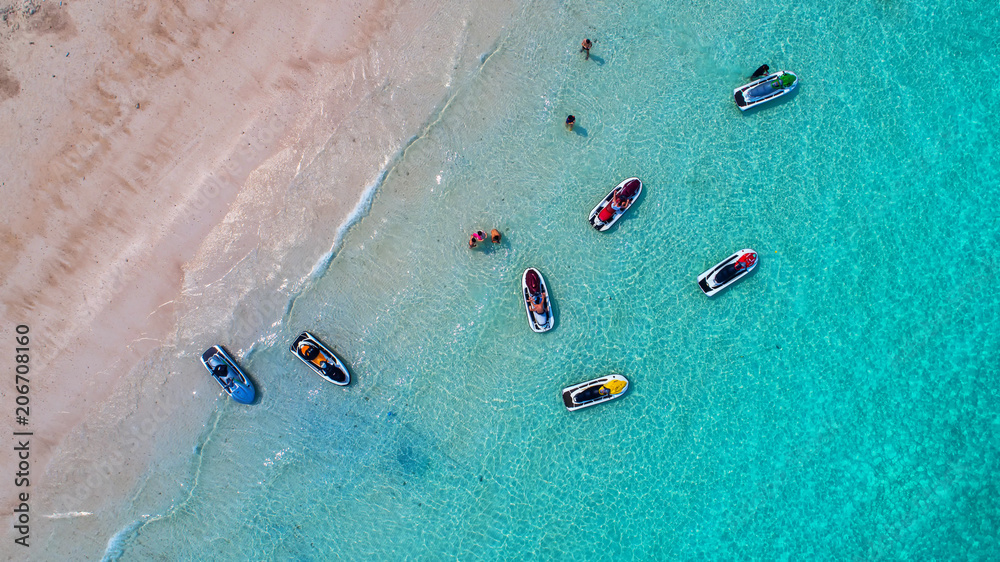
x=765 y=89
x=601 y=389
x=312 y=352
x=728 y=271
x=536 y=301
x=225 y=371
x=614 y=204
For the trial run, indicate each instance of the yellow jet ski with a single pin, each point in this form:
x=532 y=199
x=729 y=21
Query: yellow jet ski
x=594 y=391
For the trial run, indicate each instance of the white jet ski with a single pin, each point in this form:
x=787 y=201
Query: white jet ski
x=765 y=89
x=536 y=301
x=601 y=389
x=728 y=271
x=614 y=204
x=312 y=352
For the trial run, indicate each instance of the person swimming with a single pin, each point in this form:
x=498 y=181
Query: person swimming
x=762 y=70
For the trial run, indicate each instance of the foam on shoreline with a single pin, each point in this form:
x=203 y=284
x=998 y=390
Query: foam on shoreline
x=359 y=212
x=118 y=542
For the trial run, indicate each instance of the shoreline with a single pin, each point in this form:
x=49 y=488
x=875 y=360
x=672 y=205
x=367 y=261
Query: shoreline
x=53 y=268
x=162 y=263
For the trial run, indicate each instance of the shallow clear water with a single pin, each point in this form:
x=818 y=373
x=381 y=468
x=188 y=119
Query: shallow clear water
x=840 y=402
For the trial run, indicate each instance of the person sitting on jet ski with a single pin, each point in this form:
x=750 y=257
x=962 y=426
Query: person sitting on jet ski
x=311 y=352
x=619 y=203
x=624 y=197
x=537 y=303
x=221 y=372
x=308 y=351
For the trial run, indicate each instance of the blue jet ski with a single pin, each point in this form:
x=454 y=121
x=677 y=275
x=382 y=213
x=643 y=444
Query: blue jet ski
x=228 y=375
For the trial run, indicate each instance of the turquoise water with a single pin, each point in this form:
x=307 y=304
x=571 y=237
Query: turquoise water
x=840 y=403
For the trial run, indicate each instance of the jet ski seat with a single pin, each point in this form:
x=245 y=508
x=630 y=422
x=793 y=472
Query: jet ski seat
x=606 y=213
x=727 y=273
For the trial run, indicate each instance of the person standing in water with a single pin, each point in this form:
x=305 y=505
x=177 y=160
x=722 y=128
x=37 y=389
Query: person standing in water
x=570 y=121
x=585 y=47
x=762 y=70
x=495 y=236
x=477 y=236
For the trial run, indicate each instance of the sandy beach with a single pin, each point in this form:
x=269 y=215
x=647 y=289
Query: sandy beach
x=137 y=136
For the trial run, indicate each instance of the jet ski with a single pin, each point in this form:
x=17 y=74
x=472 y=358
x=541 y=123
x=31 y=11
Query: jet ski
x=535 y=293
x=228 y=375
x=765 y=89
x=594 y=392
x=312 y=352
x=728 y=271
x=614 y=205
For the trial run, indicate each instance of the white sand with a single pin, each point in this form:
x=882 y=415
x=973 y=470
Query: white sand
x=125 y=161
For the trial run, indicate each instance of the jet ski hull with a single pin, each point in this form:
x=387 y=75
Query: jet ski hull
x=537 y=322
x=711 y=281
x=595 y=216
x=334 y=370
x=586 y=394
x=240 y=389
x=761 y=90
